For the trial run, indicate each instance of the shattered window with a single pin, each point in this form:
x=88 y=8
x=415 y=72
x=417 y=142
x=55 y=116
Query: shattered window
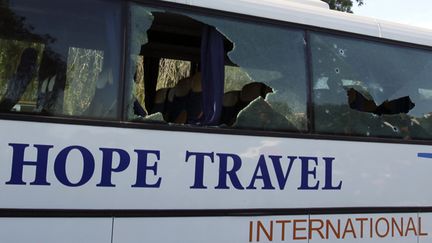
x=189 y=69
x=365 y=88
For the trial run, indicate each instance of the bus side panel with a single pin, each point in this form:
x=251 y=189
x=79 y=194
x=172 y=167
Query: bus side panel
x=52 y=166
x=55 y=230
x=365 y=228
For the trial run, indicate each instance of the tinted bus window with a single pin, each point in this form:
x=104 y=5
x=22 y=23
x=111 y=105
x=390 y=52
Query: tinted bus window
x=60 y=57
x=208 y=71
x=371 y=89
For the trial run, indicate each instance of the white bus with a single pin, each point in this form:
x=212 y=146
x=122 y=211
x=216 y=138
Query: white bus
x=212 y=121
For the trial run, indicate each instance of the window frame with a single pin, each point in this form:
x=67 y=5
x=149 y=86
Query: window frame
x=117 y=85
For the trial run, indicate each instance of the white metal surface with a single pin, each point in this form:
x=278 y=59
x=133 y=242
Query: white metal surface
x=293 y=11
x=370 y=174
x=55 y=230
x=350 y=228
x=306 y=3
x=427 y=224
x=359 y=228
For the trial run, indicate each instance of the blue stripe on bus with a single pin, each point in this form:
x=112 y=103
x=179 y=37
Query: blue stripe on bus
x=425 y=155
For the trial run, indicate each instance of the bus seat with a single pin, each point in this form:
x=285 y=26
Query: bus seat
x=251 y=91
x=138 y=109
x=160 y=101
x=230 y=107
x=17 y=84
x=178 y=104
x=45 y=91
x=194 y=106
x=183 y=87
x=104 y=100
x=51 y=83
x=196 y=82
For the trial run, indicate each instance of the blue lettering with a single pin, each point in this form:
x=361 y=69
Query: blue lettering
x=224 y=173
x=60 y=166
x=199 y=167
x=281 y=177
x=264 y=175
x=306 y=171
x=18 y=164
x=329 y=174
x=143 y=167
x=107 y=165
x=116 y=160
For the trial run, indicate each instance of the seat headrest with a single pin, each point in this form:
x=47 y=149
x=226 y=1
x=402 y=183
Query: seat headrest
x=253 y=90
x=171 y=94
x=196 y=83
x=231 y=98
x=161 y=95
x=28 y=60
x=183 y=87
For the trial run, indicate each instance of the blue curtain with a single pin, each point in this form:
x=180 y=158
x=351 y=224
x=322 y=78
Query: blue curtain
x=213 y=75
